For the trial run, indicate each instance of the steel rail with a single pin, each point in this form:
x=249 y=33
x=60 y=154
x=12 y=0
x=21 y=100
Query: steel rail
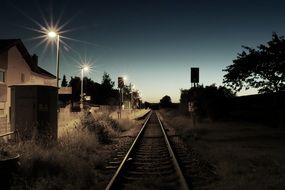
x=120 y=168
x=175 y=162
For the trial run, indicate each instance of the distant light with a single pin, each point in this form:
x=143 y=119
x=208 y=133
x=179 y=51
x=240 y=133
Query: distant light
x=125 y=78
x=85 y=68
x=52 y=34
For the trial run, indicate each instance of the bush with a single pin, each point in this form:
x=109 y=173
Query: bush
x=104 y=127
x=208 y=102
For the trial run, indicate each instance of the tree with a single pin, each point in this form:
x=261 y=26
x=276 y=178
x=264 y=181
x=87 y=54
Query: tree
x=90 y=88
x=107 y=83
x=75 y=83
x=209 y=101
x=102 y=94
x=262 y=68
x=64 y=81
x=165 y=101
x=109 y=95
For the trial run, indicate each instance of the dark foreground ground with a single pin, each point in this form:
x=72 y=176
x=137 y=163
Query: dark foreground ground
x=244 y=155
x=77 y=160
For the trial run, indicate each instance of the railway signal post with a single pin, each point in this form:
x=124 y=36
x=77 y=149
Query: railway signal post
x=194 y=83
x=121 y=101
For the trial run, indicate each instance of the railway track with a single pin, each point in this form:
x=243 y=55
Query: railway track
x=150 y=163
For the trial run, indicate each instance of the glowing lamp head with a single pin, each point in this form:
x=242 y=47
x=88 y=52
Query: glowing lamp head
x=52 y=34
x=85 y=68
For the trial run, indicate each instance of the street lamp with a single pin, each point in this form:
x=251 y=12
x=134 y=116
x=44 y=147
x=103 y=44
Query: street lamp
x=53 y=34
x=83 y=68
x=124 y=79
x=132 y=96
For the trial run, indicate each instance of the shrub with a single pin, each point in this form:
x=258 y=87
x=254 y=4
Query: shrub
x=104 y=127
x=208 y=102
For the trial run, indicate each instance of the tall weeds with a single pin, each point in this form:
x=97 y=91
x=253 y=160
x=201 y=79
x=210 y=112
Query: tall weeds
x=103 y=127
x=72 y=163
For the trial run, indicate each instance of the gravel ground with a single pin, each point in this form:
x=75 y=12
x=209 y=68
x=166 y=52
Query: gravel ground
x=120 y=146
x=198 y=171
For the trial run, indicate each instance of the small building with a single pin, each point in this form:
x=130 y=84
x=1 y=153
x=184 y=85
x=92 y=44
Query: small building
x=34 y=112
x=17 y=67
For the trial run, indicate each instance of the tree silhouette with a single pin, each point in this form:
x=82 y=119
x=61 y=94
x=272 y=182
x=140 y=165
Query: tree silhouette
x=262 y=68
x=64 y=82
x=107 y=83
x=165 y=101
x=109 y=95
x=102 y=94
x=210 y=101
x=75 y=84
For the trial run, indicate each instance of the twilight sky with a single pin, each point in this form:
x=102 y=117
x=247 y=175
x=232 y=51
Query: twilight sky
x=153 y=42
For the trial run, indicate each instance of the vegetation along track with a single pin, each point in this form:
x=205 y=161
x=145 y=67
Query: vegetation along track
x=150 y=162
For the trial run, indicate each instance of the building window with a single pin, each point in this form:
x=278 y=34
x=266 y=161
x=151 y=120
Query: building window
x=22 y=77
x=2 y=76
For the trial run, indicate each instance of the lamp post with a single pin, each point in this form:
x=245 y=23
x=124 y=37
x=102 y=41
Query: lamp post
x=83 y=68
x=53 y=34
x=132 y=96
x=124 y=79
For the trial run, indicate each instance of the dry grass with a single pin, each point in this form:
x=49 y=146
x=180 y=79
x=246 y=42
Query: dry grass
x=126 y=124
x=130 y=123
x=76 y=161
x=246 y=155
x=71 y=164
